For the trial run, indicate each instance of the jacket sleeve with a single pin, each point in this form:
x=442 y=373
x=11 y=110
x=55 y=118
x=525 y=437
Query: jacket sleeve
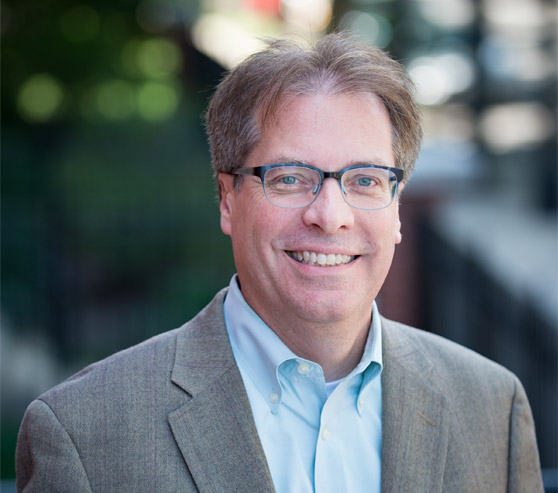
x=524 y=472
x=46 y=457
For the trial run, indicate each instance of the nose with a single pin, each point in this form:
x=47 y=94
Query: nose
x=329 y=211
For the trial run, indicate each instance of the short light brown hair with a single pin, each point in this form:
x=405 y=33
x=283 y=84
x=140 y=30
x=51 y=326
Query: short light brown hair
x=248 y=96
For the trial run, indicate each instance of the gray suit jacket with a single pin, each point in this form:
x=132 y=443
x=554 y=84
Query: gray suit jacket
x=172 y=415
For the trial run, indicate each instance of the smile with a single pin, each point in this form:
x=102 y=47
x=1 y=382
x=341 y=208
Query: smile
x=321 y=259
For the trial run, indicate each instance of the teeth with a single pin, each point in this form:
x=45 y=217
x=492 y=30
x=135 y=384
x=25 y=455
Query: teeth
x=321 y=259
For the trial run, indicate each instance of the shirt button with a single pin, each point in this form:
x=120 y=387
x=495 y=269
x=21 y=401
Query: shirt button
x=325 y=434
x=360 y=403
x=274 y=397
x=303 y=368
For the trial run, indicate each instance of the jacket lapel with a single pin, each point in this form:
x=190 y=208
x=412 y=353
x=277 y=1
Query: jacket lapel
x=215 y=430
x=414 y=417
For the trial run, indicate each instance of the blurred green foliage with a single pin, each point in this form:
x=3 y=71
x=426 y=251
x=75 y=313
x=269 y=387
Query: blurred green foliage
x=110 y=226
x=106 y=184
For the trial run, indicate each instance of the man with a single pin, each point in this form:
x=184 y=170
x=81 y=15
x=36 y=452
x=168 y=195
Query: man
x=290 y=380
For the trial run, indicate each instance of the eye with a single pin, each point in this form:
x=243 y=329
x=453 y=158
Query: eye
x=364 y=181
x=288 y=180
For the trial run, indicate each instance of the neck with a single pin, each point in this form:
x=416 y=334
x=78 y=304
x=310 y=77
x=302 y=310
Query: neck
x=337 y=348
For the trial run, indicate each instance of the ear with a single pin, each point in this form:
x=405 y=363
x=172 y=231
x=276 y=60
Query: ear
x=398 y=235
x=226 y=186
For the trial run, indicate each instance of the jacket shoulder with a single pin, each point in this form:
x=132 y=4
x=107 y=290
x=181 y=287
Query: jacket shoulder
x=447 y=363
x=123 y=373
x=111 y=419
x=147 y=365
x=491 y=442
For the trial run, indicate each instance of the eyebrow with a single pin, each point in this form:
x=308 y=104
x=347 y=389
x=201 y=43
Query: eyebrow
x=375 y=162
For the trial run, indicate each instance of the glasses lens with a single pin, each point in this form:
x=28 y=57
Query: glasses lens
x=369 y=188
x=291 y=186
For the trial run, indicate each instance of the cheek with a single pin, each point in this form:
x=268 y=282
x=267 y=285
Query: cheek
x=382 y=227
x=250 y=223
x=241 y=205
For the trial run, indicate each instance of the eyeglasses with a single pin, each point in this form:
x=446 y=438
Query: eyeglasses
x=290 y=185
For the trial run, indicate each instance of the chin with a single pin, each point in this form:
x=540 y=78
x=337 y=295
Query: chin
x=323 y=309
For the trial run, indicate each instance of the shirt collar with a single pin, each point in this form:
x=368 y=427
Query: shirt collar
x=259 y=351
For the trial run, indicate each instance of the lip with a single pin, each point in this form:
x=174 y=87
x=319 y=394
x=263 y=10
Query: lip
x=327 y=249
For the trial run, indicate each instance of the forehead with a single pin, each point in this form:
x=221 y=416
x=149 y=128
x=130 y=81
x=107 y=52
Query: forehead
x=326 y=130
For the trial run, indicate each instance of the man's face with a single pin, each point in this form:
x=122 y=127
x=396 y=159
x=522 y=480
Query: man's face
x=330 y=133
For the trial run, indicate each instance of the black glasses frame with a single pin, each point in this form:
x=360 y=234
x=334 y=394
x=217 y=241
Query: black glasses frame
x=260 y=172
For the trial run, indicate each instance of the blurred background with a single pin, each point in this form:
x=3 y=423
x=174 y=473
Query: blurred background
x=110 y=227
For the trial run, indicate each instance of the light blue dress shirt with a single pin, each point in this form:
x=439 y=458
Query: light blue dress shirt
x=317 y=436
